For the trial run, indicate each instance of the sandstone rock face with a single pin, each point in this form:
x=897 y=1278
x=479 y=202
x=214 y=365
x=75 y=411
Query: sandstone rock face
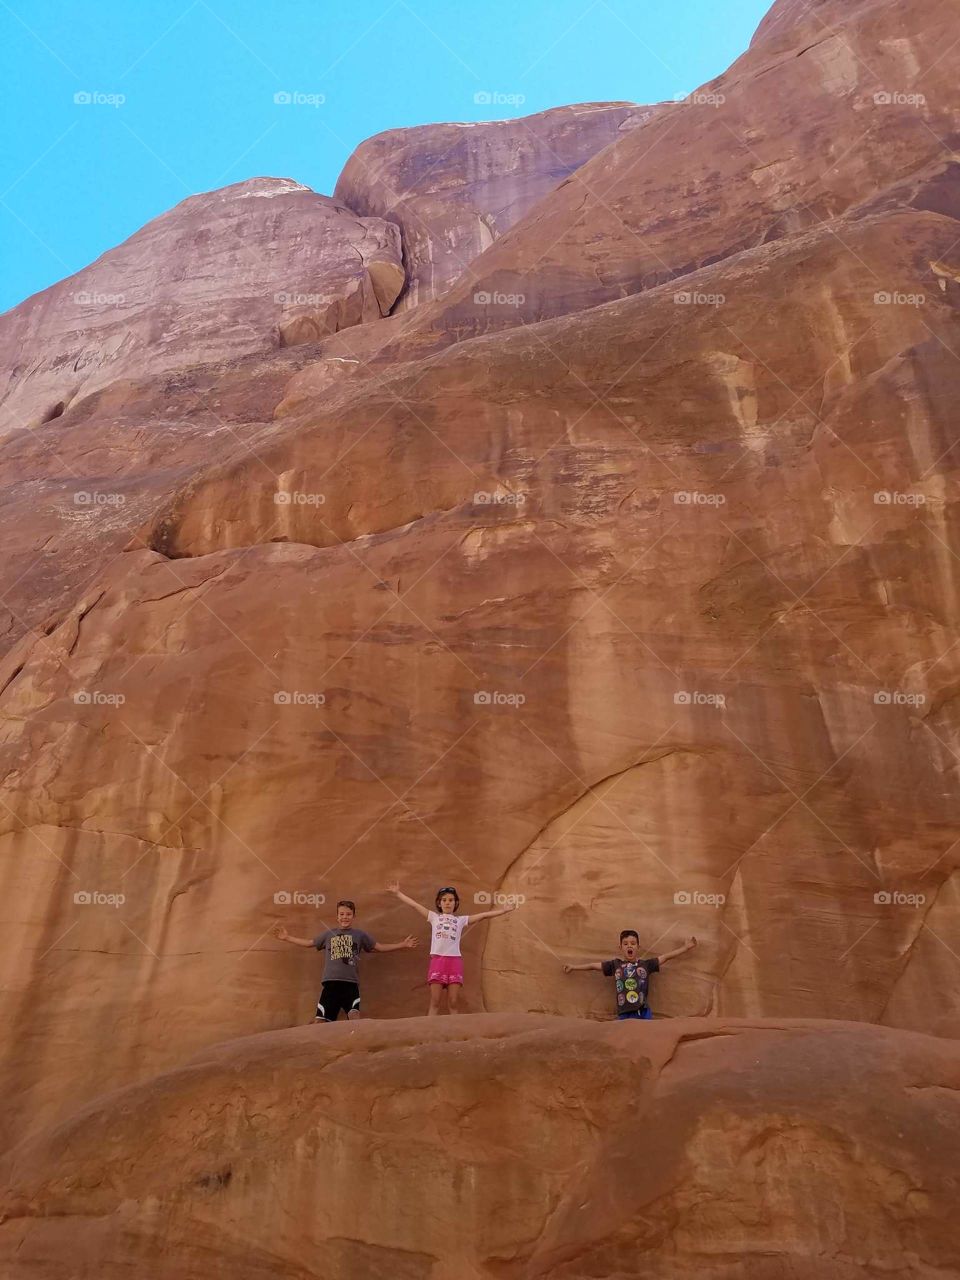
x=600 y=612
x=454 y=189
x=259 y=264
x=833 y=103
x=75 y=490
x=542 y=1146
x=645 y=613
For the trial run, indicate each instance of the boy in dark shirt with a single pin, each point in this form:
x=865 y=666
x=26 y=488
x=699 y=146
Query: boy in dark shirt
x=631 y=974
x=341 y=975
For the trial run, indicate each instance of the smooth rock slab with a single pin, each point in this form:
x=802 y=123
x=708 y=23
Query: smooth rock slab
x=517 y=1147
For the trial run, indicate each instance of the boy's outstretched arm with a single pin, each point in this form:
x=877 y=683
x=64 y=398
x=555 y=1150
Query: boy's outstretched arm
x=590 y=964
x=394 y=888
x=281 y=933
x=679 y=951
x=405 y=945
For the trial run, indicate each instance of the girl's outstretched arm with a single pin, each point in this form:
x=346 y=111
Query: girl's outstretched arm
x=494 y=911
x=394 y=888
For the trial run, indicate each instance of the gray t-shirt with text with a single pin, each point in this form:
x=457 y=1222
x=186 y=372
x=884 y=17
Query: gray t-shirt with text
x=343 y=947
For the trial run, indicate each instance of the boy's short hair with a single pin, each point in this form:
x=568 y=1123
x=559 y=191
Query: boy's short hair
x=345 y=902
x=456 y=897
x=629 y=933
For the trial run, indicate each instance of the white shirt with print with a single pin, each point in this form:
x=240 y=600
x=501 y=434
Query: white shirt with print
x=445 y=933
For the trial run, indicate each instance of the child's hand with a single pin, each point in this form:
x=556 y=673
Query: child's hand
x=692 y=943
x=280 y=932
x=410 y=942
x=568 y=968
x=393 y=886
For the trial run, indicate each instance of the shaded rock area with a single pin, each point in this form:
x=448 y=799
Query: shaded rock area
x=454 y=189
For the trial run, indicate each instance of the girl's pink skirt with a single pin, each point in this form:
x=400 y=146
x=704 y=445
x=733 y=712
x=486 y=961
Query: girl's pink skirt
x=447 y=970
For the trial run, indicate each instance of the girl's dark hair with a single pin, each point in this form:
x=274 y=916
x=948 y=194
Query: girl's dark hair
x=456 y=897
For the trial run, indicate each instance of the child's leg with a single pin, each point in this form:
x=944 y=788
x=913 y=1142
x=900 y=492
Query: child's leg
x=436 y=991
x=453 y=998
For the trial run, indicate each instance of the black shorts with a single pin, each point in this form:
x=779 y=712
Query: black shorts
x=337 y=996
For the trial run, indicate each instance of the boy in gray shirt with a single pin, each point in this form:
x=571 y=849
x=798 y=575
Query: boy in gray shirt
x=341 y=975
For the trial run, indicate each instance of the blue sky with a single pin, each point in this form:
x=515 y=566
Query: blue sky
x=197 y=80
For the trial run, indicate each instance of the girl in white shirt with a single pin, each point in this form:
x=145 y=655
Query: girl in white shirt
x=446 y=930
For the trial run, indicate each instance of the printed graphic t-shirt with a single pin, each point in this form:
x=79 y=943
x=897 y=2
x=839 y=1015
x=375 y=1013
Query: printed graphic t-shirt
x=343 y=947
x=631 y=978
x=445 y=933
